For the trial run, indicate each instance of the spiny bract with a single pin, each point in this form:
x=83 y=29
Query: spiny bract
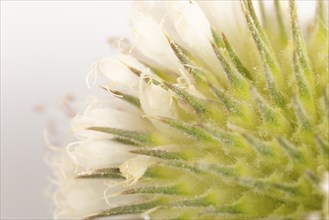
x=201 y=124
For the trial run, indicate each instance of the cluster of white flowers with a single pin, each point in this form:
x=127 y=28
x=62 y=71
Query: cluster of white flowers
x=137 y=96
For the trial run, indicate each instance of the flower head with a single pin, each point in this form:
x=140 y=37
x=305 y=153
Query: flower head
x=207 y=116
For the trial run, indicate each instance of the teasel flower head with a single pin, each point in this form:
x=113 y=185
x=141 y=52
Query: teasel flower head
x=216 y=111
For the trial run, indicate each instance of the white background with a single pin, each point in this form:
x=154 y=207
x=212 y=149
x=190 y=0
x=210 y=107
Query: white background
x=47 y=49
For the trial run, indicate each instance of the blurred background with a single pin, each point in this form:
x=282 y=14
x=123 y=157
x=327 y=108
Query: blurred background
x=47 y=49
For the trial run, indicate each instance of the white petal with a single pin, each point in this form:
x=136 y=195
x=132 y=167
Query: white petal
x=102 y=114
x=133 y=62
x=150 y=40
x=158 y=11
x=224 y=16
x=119 y=76
x=134 y=168
x=194 y=30
x=98 y=154
x=325 y=184
x=78 y=198
x=189 y=21
x=313 y=216
x=157 y=101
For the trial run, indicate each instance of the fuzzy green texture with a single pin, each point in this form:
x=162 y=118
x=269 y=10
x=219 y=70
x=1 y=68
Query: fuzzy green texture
x=256 y=147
